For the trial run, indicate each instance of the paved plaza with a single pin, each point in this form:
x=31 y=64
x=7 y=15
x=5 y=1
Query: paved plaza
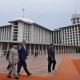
x=37 y=66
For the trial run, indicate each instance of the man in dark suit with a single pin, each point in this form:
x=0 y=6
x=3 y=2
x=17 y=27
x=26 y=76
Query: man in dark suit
x=51 y=58
x=23 y=53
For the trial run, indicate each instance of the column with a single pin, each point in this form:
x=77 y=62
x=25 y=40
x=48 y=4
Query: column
x=63 y=49
x=1 y=33
x=55 y=49
x=68 y=50
x=7 y=46
x=42 y=49
x=5 y=33
x=74 y=49
x=30 y=49
x=46 y=49
x=8 y=33
x=0 y=49
x=38 y=48
x=1 y=46
x=34 y=48
x=58 y=50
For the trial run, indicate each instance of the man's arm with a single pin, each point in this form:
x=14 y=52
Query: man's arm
x=10 y=56
x=7 y=56
x=20 y=47
x=51 y=54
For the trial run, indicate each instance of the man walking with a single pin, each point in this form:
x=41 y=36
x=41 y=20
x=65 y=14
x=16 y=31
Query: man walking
x=23 y=53
x=51 y=58
x=13 y=60
x=7 y=57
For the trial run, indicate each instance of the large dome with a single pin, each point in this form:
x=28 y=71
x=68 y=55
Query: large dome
x=76 y=15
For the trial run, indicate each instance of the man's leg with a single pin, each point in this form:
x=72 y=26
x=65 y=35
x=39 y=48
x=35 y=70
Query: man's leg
x=10 y=71
x=25 y=68
x=19 y=66
x=54 y=63
x=8 y=67
x=49 y=66
x=15 y=71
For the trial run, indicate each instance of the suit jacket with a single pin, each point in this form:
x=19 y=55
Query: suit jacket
x=51 y=54
x=13 y=56
x=23 y=52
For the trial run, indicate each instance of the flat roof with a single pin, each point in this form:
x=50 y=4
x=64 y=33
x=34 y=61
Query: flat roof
x=69 y=26
x=42 y=26
x=33 y=23
x=6 y=25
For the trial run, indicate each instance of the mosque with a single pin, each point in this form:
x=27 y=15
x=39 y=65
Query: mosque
x=65 y=39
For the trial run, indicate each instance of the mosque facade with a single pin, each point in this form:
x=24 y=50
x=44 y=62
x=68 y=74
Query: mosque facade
x=65 y=39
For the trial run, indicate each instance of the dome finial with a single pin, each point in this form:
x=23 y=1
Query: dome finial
x=23 y=11
x=75 y=11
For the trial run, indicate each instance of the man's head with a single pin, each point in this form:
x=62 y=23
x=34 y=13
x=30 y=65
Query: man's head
x=23 y=42
x=51 y=46
x=10 y=47
x=15 y=45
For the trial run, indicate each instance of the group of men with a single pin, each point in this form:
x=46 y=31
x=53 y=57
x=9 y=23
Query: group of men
x=18 y=55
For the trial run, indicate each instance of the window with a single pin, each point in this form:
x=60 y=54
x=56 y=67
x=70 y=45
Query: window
x=16 y=23
x=14 y=36
x=15 y=26
x=74 y=22
x=77 y=21
x=15 y=32
x=73 y=19
x=77 y=18
x=77 y=43
x=15 y=29
x=15 y=39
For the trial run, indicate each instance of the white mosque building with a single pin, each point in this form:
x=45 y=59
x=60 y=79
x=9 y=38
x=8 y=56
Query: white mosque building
x=65 y=39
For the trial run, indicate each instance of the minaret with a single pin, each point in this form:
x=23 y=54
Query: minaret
x=75 y=18
x=23 y=12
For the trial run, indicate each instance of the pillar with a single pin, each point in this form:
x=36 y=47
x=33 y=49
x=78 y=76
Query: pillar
x=30 y=49
x=63 y=49
x=38 y=48
x=58 y=50
x=55 y=49
x=42 y=49
x=7 y=46
x=46 y=49
x=0 y=49
x=34 y=48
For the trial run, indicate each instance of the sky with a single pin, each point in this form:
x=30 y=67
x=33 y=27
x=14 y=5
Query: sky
x=51 y=14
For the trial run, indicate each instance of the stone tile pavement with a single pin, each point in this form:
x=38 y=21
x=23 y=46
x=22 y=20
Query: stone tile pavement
x=37 y=66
